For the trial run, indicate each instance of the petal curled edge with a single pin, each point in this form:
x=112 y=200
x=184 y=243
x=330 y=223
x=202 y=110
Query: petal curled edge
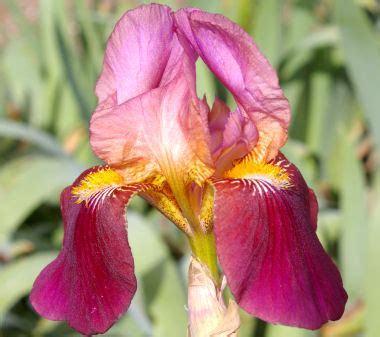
x=92 y=282
x=268 y=249
x=136 y=53
x=234 y=58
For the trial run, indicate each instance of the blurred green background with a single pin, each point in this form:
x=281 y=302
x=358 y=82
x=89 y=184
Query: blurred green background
x=327 y=54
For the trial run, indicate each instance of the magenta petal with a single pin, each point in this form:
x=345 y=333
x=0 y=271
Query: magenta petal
x=91 y=283
x=136 y=53
x=268 y=249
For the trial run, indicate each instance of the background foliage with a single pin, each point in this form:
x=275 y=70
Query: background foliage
x=327 y=54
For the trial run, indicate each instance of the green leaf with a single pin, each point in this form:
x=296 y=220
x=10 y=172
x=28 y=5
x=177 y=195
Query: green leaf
x=17 y=277
x=205 y=82
x=297 y=28
x=27 y=133
x=20 y=64
x=159 y=276
x=294 y=93
x=318 y=114
x=47 y=20
x=90 y=35
x=27 y=182
x=135 y=322
x=298 y=23
x=341 y=113
x=372 y=289
x=324 y=37
x=267 y=28
x=300 y=155
x=248 y=324
x=68 y=117
x=329 y=225
x=210 y=5
x=22 y=22
x=285 y=331
x=362 y=52
x=354 y=219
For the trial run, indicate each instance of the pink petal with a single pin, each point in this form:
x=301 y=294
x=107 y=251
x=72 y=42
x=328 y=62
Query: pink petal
x=235 y=59
x=239 y=137
x=163 y=127
x=233 y=135
x=136 y=53
x=274 y=264
x=217 y=119
x=149 y=119
x=91 y=283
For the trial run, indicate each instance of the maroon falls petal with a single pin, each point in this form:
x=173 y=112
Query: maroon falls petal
x=92 y=282
x=268 y=249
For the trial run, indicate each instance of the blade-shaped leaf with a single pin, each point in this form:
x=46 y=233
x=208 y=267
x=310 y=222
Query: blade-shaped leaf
x=372 y=292
x=354 y=221
x=159 y=276
x=362 y=52
x=267 y=28
x=26 y=182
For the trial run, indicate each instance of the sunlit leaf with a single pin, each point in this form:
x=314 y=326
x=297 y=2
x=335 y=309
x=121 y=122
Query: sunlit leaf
x=27 y=182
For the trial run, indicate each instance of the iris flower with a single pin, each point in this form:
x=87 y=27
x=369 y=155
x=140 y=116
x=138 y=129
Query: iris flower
x=217 y=174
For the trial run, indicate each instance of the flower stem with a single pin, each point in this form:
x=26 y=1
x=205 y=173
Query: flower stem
x=203 y=247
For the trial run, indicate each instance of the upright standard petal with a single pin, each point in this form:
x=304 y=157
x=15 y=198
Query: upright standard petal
x=159 y=131
x=234 y=58
x=137 y=53
x=91 y=283
x=164 y=126
x=268 y=248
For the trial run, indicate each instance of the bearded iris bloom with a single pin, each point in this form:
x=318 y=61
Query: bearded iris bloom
x=217 y=174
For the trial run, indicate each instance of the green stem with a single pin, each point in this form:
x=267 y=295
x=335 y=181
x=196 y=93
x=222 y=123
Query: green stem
x=203 y=247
